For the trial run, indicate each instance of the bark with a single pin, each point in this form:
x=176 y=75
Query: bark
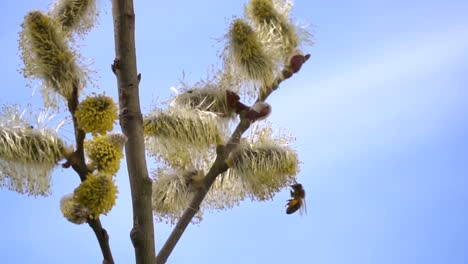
x=131 y=122
x=103 y=239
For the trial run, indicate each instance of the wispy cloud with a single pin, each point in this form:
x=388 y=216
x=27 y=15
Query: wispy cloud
x=422 y=54
x=385 y=98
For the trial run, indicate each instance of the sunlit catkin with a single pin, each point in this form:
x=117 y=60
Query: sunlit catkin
x=226 y=192
x=177 y=135
x=264 y=165
x=96 y=114
x=105 y=152
x=47 y=57
x=97 y=194
x=172 y=193
x=73 y=211
x=28 y=151
x=273 y=26
x=27 y=158
x=245 y=55
x=208 y=98
x=75 y=15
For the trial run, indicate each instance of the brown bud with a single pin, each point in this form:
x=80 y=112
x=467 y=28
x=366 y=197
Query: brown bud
x=233 y=101
x=259 y=111
x=296 y=61
x=232 y=98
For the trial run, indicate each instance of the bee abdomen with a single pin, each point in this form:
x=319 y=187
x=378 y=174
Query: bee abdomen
x=292 y=206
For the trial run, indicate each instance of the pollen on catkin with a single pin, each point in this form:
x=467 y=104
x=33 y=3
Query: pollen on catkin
x=205 y=96
x=27 y=158
x=28 y=154
x=226 y=192
x=246 y=57
x=73 y=211
x=117 y=139
x=28 y=145
x=75 y=15
x=105 y=152
x=96 y=114
x=176 y=136
x=172 y=193
x=97 y=194
x=264 y=166
x=274 y=28
x=47 y=57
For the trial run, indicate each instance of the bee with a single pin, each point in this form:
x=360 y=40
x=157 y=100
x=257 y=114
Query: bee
x=297 y=200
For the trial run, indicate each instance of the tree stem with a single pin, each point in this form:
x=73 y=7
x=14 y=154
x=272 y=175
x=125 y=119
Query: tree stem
x=131 y=122
x=103 y=239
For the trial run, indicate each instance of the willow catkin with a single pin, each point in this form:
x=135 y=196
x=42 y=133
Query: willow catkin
x=47 y=57
x=97 y=114
x=180 y=137
x=97 y=194
x=105 y=152
x=273 y=25
x=75 y=15
x=246 y=57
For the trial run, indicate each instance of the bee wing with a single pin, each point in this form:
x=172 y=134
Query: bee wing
x=303 y=209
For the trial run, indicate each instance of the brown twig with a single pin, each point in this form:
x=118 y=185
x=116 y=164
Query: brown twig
x=295 y=64
x=103 y=239
x=77 y=162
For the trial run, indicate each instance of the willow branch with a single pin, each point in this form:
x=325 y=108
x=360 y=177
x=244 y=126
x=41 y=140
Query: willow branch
x=219 y=166
x=295 y=65
x=103 y=239
x=131 y=122
x=77 y=162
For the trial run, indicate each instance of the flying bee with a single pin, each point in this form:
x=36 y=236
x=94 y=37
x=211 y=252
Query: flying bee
x=297 y=200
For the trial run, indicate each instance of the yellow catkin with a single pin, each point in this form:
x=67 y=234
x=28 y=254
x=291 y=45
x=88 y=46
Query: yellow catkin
x=105 y=152
x=226 y=192
x=264 y=164
x=177 y=136
x=263 y=11
x=29 y=151
x=96 y=114
x=273 y=25
x=73 y=211
x=172 y=193
x=75 y=15
x=29 y=145
x=46 y=56
x=205 y=97
x=28 y=157
x=245 y=54
x=97 y=194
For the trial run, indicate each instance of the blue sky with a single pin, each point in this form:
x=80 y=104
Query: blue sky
x=380 y=117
